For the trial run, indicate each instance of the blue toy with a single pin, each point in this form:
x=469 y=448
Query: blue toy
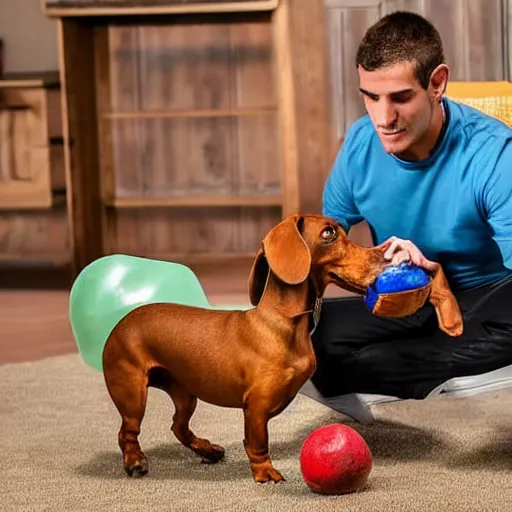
x=400 y=290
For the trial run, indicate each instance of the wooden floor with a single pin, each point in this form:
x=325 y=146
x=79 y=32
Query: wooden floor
x=34 y=320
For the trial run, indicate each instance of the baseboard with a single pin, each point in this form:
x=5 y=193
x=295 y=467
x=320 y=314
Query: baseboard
x=35 y=278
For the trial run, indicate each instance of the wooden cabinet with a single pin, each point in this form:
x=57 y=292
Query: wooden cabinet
x=191 y=129
x=31 y=167
x=33 y=220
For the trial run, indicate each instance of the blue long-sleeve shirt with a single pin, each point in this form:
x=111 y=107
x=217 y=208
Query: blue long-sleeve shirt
x=455 y=205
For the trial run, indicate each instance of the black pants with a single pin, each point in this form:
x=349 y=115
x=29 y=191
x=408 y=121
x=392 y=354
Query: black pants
x=358 y=352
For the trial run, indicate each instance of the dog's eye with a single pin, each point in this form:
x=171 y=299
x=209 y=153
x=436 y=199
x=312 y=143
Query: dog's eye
x=328 y=234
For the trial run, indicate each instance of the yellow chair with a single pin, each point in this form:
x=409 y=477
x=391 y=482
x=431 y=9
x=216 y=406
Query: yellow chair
x=492 y=98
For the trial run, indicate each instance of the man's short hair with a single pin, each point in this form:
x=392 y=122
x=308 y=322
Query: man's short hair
x=402 y=36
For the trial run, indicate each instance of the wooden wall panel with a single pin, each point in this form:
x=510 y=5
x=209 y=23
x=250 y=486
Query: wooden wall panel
x=311 y=101
x=472 y=35
x=403 y=5
x=188 y=234
x=157 y=70
x=256 y=153
x=347 y=21
x=186 y=157
x=39 y=237
x=121 y=44
x=185 y=66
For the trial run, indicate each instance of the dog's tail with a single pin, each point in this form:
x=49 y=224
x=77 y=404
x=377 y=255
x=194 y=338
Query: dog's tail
x=110 y=287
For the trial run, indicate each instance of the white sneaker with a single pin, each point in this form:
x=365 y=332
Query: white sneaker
x=475 y=384
x=355 y=405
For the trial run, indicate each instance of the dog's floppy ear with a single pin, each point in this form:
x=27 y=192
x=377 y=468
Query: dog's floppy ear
x=445 y=304
x=286 y=251
x=283 y=251
x=258 y=277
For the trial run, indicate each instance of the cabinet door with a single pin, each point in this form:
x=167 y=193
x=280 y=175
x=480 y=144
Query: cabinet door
x=474 y=35
x=25 y=180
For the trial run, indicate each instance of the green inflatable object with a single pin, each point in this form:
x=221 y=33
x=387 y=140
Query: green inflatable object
x=112 y=286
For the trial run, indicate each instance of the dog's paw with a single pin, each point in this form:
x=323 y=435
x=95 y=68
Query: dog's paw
x=209 y=453
x=213 y=455
x=216 y=454
x=137 y=468
x=270 y=474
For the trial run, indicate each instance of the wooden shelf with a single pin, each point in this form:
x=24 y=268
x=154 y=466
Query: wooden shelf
x=47 y=80
x=170 y=114
x=13 y=108
x=78 y=8
x=193 y=201
x=57 y=200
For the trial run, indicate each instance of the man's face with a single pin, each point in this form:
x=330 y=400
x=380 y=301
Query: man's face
x=400 y=109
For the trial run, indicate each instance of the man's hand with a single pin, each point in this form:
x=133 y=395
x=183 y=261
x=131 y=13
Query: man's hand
x=399 y=250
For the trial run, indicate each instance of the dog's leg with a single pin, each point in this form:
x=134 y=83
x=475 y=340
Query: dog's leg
x=256 y=419
x=128 y=390
x=185 y=405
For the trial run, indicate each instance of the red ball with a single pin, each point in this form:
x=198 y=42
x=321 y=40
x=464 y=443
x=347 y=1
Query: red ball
x=335 y=459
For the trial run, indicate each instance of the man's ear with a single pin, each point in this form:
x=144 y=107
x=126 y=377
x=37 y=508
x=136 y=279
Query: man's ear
x=439 y=81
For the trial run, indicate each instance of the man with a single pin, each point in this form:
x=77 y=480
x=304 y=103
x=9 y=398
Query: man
x=436 y=175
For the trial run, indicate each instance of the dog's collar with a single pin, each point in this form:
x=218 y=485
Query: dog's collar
x=317 y=309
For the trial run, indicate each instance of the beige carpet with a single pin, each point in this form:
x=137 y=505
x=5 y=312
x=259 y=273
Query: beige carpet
x=59 y=451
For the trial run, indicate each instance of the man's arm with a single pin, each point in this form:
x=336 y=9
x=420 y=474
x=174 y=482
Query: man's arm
x=338 y=202
x=497 y=199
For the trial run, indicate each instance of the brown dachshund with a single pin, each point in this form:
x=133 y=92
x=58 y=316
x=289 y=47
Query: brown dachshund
x=256 y=360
